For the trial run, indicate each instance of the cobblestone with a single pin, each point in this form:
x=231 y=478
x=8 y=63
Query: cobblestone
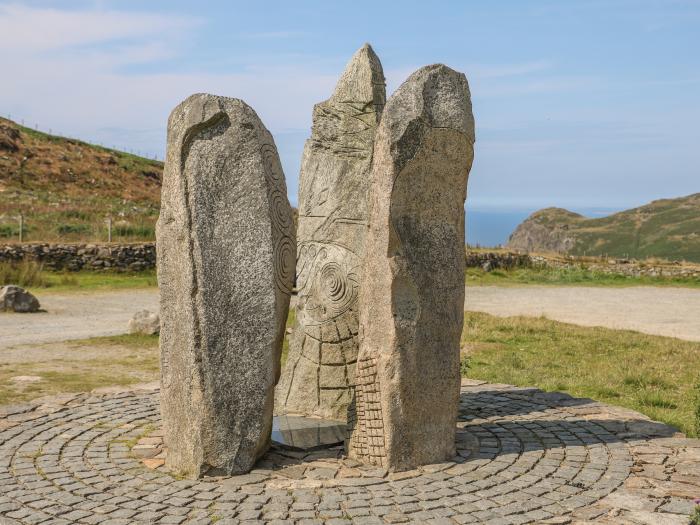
x=523 y=456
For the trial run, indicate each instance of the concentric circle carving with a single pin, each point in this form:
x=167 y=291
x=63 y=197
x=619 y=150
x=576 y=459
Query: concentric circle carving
x=281 y=217
x=328 y=282
x=285 y=254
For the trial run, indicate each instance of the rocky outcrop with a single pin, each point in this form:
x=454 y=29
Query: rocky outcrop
x=547 y=230
x=667 y=229
x=75 y=257
x=9 y=138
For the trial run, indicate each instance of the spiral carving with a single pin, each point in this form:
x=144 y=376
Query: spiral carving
x=328 y=282
x=271 y=162
x=338 y=287
x=280 y=210
x=281 y=217
x=284 y=264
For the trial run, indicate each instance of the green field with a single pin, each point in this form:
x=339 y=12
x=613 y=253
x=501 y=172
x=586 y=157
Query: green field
x=66 y=189
x=654 y=375
x=32 y=276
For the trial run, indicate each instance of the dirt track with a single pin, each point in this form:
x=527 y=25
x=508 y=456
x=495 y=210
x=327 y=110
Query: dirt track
x=673 y=312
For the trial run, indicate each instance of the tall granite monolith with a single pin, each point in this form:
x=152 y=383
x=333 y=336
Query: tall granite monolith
x=333 y=187
x=226 y=255
x=412 y=298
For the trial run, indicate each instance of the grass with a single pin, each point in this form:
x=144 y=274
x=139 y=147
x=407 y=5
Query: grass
x=657 y=376
x=653 y=375
x=32 y=275
x=568 y=277
x=66 y=189
x=83 y=365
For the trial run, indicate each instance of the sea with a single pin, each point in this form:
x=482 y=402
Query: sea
x=488 y=228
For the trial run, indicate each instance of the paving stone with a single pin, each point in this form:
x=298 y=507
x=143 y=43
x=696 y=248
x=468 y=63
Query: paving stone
x=528 y=462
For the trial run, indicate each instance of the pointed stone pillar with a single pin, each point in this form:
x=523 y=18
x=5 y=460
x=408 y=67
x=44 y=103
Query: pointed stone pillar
x=412 y=296
x=226 y=254
x=333 y=187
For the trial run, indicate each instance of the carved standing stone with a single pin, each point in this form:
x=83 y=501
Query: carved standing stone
x=226 y=254
x=333 y=187
x=412 y=297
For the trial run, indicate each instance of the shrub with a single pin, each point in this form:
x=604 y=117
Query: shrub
x=77 y=214
x=25 y=273
x=9 y=230
x=695 y=518
x=465 y=364
x=128 y=230
x=65 y=229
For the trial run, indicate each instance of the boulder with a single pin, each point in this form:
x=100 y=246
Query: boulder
x=16 y=299
x=144 y=322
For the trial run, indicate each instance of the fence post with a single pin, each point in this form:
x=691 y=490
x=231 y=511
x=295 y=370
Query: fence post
x=109 y=229
x=21 y=227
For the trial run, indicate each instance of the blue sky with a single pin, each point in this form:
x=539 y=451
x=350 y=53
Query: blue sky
x=579 y=104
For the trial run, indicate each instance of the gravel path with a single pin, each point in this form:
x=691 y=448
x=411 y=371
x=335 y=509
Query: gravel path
x=673 y=312
x=75 y=316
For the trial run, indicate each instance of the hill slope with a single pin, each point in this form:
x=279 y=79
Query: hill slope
x=66 y=188
x=667 y=228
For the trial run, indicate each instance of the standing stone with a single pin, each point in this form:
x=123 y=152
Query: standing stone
x=412 y=298
x=333 y=187
x=226 y=254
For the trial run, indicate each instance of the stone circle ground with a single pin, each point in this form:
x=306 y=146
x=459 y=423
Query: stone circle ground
x=524 y=456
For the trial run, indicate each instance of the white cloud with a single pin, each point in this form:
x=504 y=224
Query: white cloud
x=68 y=72
x=45 y=29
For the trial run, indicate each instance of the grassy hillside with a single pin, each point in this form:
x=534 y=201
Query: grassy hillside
x=66 y=189
x=668 y=229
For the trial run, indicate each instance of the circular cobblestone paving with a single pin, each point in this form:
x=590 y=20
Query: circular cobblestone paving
x=524 y=456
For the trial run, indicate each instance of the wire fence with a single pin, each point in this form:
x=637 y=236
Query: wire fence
x=24 y=228
x=50 y=131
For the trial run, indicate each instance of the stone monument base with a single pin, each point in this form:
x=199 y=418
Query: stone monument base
x=523 y=456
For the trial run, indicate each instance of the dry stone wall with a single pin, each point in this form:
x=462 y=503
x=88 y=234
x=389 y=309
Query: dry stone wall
x=628 y=267
x=75 y=257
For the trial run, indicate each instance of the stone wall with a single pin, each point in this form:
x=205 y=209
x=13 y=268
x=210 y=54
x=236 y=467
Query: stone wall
x=74 y=257
x=633 y=268
x=142 y=256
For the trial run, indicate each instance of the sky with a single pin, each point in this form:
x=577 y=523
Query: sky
x=586 y=104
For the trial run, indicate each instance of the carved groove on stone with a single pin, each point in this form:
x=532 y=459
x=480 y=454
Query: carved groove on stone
x=333 y=201
x=284 y=263
x=365 y=421
x=191 y=135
